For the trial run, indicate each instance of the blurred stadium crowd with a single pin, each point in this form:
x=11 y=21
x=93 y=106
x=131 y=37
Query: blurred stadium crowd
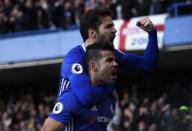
x=25 y=15
x=144 y=105
x=25 y=110
x=155 y=106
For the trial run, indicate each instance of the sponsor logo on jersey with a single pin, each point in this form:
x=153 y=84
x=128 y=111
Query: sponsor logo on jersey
x=58 y=108
x=94 y=108
x=77 y=68
x=103 y=119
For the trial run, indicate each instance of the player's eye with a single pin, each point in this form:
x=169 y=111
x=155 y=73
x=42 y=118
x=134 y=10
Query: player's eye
x=109 y=25
x=109 y=59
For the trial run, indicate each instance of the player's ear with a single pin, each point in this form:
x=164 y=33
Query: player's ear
x=92 y=33
x=92 y=66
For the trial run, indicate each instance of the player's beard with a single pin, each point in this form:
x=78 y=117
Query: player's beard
x=104 y=38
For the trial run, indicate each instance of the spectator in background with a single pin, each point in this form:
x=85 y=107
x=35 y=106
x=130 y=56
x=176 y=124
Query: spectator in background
x=90 y=4
x=16 y=19
x=156 y=7
x=42 y=19
x=30 y=15
x=111 y=4
x=144 y=7
x=142 y=126
x=7 y=7
x=68 y=13
x=4 y=21
x=129 y=8
x=43 y=14
x=58 y=17
x=153 y=127
x=79 y=9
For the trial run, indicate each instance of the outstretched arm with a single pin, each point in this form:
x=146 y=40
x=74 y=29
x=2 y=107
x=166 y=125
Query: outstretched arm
x=147 y=62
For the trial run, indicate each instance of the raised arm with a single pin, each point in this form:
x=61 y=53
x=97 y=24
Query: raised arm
x=147 y=62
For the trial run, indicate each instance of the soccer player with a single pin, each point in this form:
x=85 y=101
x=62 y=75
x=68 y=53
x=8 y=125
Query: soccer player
x=70 y=114
x=94 y=25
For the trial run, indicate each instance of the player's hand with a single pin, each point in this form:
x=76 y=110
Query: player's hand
x=145 y=24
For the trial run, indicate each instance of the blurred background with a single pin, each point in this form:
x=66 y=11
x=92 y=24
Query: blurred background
x=36 y=34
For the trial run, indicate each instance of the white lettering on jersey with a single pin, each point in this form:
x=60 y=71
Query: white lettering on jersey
x=103 y=119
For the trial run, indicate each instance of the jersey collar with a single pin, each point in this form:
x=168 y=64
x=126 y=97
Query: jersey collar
x=83 y=46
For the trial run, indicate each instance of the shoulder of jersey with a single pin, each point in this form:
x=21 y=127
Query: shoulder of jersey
x=75 y=50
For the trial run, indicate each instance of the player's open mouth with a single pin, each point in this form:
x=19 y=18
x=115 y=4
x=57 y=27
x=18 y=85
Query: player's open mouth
x=114 y=74
x=113 y=36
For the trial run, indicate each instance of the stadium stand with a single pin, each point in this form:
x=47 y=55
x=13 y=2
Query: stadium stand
x=147 y=103
x=27 y=15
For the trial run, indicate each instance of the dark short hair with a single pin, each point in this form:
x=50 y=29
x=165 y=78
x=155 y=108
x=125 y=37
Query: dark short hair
x=93 y=52
x=92 y=19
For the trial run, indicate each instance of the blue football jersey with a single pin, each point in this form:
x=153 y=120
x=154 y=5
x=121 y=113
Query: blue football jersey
x=77 y=117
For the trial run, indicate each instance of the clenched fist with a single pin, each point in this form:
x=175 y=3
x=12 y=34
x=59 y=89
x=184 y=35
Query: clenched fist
x=145 y=24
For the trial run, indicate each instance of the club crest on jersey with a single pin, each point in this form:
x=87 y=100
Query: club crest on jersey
x=77 y=68
x=58 y=108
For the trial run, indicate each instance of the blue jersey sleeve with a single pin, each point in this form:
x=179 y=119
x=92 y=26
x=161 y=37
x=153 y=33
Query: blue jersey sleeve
x=65 y=109
x=88 y=94
x=147 y=62
x=73 y=63
x=74 y=76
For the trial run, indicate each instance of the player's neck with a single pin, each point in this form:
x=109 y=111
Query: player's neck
x=89 y=42
x=93 y=79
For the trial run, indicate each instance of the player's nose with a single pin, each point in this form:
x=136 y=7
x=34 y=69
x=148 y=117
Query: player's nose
x=114 y=30
x=115 y=64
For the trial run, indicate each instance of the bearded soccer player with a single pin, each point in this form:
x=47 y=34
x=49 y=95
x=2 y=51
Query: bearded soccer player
x=102 y=70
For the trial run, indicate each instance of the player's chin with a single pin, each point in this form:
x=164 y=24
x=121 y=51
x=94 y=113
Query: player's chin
x=114 y=77
x=112 y=81
x=112 y=38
